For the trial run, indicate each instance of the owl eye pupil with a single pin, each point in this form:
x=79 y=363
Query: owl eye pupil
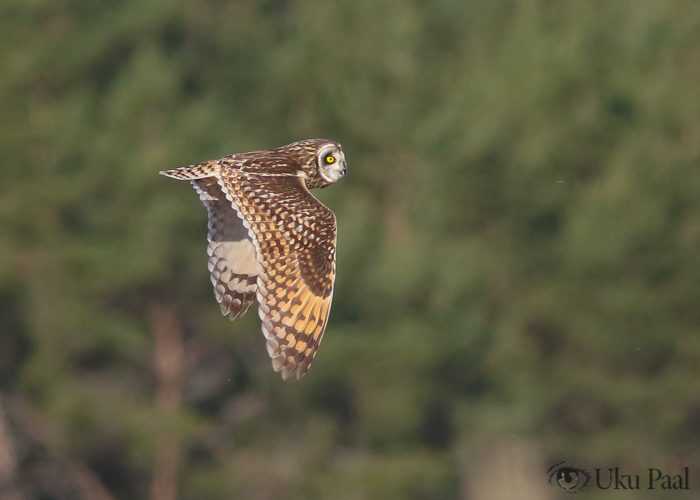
x=330 y=159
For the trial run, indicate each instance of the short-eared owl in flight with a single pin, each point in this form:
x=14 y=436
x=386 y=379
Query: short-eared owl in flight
x=270 y=239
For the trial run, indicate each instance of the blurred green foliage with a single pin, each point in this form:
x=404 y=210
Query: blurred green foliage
x=519 y=238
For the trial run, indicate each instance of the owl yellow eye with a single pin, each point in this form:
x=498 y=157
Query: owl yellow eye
x=330 y=159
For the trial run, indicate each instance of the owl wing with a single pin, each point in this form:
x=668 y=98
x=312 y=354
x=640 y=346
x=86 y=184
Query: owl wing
x=232 y=263
x=295 y=238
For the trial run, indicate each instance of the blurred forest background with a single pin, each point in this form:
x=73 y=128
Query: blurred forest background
x=518 y=262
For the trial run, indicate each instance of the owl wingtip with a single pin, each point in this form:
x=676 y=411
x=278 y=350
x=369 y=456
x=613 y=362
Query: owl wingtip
x=192 y=172
x=288 y=369
x=170 y=173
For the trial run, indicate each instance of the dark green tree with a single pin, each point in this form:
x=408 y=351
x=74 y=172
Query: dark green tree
x=517 y=264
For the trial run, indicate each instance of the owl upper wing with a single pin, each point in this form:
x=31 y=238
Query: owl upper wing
x=295 y=238
x=232 y=263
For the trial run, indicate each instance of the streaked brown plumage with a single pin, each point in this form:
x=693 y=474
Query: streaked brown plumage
x=270 y=239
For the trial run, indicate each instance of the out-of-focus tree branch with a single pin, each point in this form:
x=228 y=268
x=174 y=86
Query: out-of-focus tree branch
x=168 y=366
x=81 y=476
x=8 y=466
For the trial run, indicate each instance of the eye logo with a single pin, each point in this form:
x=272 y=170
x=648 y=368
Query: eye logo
x=571 y=479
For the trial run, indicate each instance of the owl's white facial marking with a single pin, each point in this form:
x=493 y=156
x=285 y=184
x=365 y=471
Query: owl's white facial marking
x=331 y=163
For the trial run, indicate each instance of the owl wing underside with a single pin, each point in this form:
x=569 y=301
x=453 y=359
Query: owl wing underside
x=233 y=264
x=295 y=237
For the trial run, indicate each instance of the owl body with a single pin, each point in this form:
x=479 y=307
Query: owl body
x=272 y=241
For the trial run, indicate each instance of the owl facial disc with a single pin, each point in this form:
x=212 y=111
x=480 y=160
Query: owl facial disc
x=331 y=163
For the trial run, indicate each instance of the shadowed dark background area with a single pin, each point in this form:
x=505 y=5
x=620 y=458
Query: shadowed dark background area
x=518 y=262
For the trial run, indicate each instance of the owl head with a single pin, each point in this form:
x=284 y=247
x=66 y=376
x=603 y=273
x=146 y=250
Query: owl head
x=322 y=160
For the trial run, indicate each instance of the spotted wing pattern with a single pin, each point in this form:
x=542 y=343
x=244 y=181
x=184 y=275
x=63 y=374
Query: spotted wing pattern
x=295 y=236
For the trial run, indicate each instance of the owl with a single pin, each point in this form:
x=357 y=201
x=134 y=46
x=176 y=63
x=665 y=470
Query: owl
x=270 y=239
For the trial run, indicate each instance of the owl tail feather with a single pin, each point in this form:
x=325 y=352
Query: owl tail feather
x=197 y=171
